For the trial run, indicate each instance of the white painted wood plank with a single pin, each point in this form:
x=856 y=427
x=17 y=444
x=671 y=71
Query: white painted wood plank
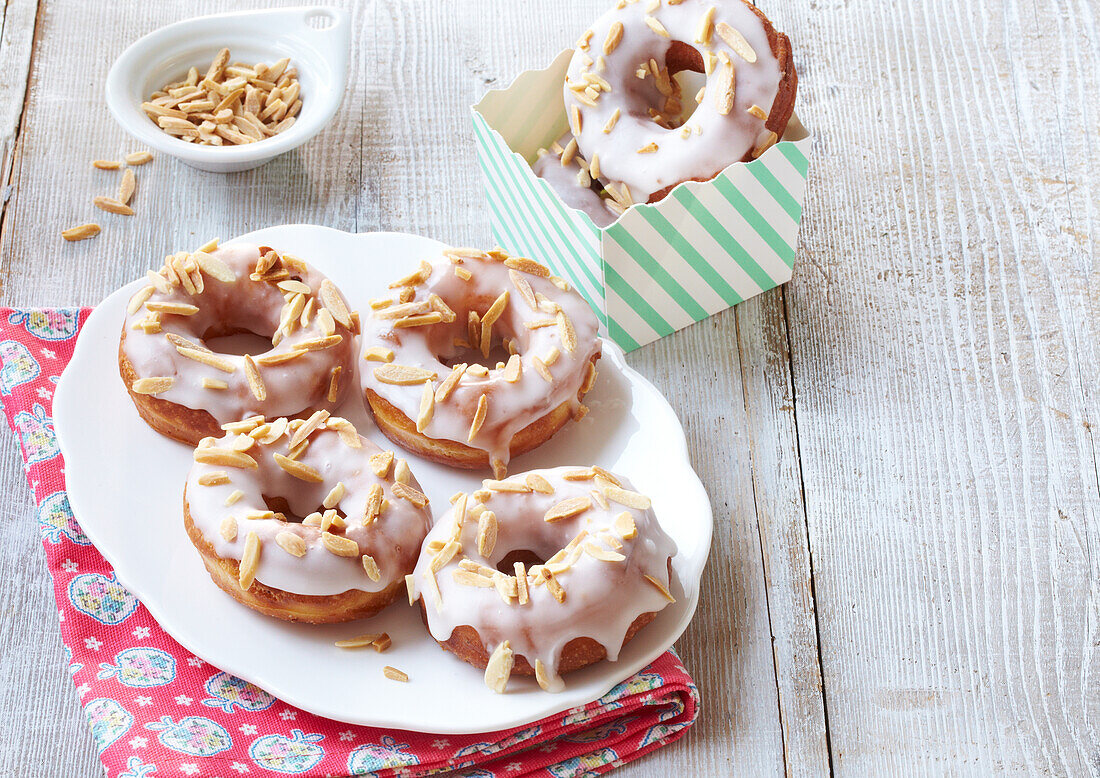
x=943 y=330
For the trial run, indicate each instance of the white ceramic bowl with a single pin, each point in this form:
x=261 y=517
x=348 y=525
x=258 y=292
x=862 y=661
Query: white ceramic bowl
x=316 y=38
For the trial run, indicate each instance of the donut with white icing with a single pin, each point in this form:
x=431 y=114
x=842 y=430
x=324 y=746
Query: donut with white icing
x=184 y=389
x=567 y=174
x=477 y=357
x=624 y=106
x=543 y=573
x=304 y=520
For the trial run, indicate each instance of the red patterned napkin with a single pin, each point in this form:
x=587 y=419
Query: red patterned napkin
x=154 y=708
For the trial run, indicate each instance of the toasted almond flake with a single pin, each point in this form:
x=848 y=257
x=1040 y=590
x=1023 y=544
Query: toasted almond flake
x=614 y=37
x=380 y=463
x=586 y=474
x=273 y=431
x=499 y=668
x=575 y=119
x=330 y=519
x=214 y=267
x=660 y=587
x=602 y=554
x=126 y=186
x=522 y=592
x=228 y=529
x=214 y=478
x=401 y=472
x=600 y=500
x=513 y=369
x=224 y=457
x=317 y=344
x=244 y=426
x=628 y=498
x=324 y=319
x=539 y=484
x=568 y=508
x=290 y=285
x=111 y=205
x=479 y=417
x=207 y=358
x=154 y=385
x=159 y=282
x=580 y=412
x=106 y=164
x=624 y=525
x=370 y=567
x=233 y=498
x=418 y=276
x=589 y=379
x=725 y=87
x=394 y=674
x=477 y=370
x=176 y=309
x=378 y=354
x=470 y=578
x=312 y=520
x=299 y=470
x=450 y=382
x=736 y=41
x=410 y=588
x=444 y=555
x=758 y=112
x=359 y=641
x=373 y=507
x=382 y=642
x=214 y=383
x=348 y=434
x=523 y=286
x=525 y=265
x=334 y=303
x=463 y=273
x=505 y=486
x=291 y=543
x=406 y=492
x=656 y=26
x=308 y=427
x=433 y=586
x=278 y=358
x=339 y=545
x=403 y=375
x=706 y=26
x=608 y=127
x=427 y=407
x=486 y=533
x=553 y=586
x=403 y=309
x=259 y=515
x=250 y=560
x=566 y=332
x=765 y=142
x=542 y=676
x=649 y=148
x=542 y=370
x=335 y=494
x=255 y=381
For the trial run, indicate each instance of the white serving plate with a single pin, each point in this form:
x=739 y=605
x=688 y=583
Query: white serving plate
x=125 y=484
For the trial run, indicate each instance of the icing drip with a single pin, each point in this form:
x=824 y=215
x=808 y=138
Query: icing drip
x=553 y=331
x=601 y=596
x=392 y=539
x=242 y=304
x=639 y=151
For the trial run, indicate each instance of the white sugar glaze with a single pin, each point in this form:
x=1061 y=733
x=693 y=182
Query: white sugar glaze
x=602 y=598
x=724 y=138
x=253 y=306
x=511 y=406
x=564 y=179
x=392 y=539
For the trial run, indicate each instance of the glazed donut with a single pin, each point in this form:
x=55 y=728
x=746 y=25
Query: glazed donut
x=185 y=390
x=543 y=573
x=632 y=133
x=304 y=520
x=571 y=180
x=478 y=358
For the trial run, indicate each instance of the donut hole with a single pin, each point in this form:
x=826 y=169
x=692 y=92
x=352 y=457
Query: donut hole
x=239 y=343
x=525 y=555
x=671 y=106
x=460 y=341
x=282 y=506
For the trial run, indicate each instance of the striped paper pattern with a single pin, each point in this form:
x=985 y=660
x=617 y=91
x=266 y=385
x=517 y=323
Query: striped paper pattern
x=708 y=245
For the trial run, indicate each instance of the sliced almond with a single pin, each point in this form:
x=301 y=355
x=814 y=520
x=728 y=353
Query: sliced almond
x=522 y=593
x=370 y=567
x=736 y=41
x=126 y=186
x=255 y=381
x=539 y=484
x=111 y=205
x=378 y=354
x=624 y=525
x=299 y=470
x=228 y=529
x=525 y=265
x=660 y=587
x=381 y=462
x=224 y=457
x=614 y=37
x=214 y=478
x=568 y=508
x=628 y=498
x=394 y=674
x=373 y=506
x=291 y=543
x=250 y=560
x=427 y=408
x=339 y=545
x=450 y=382
x=479 y=417
x=486 y=533
x=403 y=375
x=335 y=494
x=417 y=498
x=154 y=385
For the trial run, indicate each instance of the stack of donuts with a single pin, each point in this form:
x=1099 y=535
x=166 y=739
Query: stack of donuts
x=633 y=134
x=471 y=359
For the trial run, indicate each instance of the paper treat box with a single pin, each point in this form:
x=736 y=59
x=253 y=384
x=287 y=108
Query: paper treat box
x=706 y=246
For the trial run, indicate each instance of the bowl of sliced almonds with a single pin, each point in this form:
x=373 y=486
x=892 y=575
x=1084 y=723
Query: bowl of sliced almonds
x=232 y=91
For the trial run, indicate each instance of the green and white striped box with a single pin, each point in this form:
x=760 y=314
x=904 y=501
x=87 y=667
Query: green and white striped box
x=706 y=246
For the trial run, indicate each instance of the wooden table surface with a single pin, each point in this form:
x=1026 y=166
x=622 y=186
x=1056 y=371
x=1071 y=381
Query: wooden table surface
x=899 y=444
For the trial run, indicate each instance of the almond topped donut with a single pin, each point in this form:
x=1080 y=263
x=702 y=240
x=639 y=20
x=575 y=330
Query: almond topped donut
x=185 y=389
x=543 y=573
x=304 y=520
x=477 y=358
x=625 y=110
